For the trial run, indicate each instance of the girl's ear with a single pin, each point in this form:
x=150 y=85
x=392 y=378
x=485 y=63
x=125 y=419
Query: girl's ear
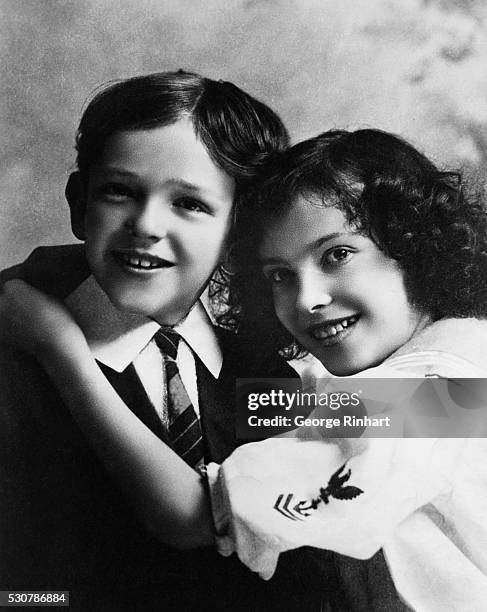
x=76 y=197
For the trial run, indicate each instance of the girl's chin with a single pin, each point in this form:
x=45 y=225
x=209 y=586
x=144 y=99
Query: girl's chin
x=334 y=364
x=345 y=367
x=349 y=371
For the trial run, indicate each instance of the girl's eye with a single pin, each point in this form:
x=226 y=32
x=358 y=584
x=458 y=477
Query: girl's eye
x=338 y=255
x=191 y=204
x=279 y=276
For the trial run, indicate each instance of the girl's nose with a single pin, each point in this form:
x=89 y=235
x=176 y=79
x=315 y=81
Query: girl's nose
x=149 y=219
x=314 y=291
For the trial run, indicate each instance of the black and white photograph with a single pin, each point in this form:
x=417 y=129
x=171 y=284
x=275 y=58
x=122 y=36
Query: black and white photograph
x=243 y=305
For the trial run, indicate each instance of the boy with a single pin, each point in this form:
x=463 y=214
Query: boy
x=161 y=160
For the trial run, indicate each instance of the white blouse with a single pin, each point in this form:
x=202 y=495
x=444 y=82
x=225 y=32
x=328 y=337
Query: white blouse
x=422 y=500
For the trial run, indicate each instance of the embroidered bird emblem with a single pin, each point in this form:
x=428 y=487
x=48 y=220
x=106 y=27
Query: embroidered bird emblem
x=335 y=488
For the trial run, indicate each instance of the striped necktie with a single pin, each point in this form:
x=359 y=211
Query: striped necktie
x=183 y=424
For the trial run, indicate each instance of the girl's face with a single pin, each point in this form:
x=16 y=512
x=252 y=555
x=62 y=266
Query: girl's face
x=334 y=290
x=157 y=218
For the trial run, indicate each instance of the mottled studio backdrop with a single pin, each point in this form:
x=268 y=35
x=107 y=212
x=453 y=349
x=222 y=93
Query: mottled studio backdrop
x=415 y=67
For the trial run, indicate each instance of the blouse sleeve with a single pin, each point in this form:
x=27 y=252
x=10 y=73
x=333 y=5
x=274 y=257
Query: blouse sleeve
x=342 y=495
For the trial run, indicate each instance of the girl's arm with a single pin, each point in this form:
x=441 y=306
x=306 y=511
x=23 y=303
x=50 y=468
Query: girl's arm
x=169 y=497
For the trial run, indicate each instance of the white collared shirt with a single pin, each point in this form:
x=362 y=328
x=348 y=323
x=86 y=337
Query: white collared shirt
x=117 y=339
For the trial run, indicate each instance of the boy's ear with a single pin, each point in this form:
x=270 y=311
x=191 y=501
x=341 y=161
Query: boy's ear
x=76 y=197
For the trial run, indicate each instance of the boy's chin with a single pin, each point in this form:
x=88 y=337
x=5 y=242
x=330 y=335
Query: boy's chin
x=165 y=320
x=164 y=315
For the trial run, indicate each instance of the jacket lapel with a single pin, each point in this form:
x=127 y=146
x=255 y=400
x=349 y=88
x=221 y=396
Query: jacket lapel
x=216 y=404
x=128 y=385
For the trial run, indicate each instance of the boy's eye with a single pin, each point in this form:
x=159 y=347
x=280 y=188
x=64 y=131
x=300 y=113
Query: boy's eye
x=337 y=255
x=191 y=204
x=114 y=191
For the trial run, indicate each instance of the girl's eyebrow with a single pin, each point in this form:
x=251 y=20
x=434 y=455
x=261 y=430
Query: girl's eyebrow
x=311 y=247
x=114 y=170
x=265 y=261
x=324 y=239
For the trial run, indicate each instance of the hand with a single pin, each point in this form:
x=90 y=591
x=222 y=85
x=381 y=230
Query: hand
x=35 y=322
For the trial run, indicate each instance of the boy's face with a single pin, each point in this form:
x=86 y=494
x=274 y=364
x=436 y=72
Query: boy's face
x=158 y=212
x=335 y=291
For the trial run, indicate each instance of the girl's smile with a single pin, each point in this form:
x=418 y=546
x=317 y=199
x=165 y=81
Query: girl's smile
x=332 y=332
x=334 y=290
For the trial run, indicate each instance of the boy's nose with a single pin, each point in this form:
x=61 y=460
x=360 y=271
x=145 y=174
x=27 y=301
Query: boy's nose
x=314 y=292
x=148 y=220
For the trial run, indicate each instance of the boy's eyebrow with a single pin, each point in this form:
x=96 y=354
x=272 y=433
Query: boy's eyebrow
x=314 y=245
x=191 y=186
x=196 y=189
x=173 y=181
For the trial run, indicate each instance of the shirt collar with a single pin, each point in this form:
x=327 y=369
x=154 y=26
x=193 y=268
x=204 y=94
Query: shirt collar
x=116 y=338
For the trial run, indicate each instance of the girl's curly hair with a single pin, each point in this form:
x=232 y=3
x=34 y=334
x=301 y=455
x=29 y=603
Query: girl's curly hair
x=416 y=214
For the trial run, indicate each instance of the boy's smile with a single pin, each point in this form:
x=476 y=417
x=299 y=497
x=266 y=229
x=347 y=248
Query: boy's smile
x=158 y=213
x=335 y=291
x=140 y=261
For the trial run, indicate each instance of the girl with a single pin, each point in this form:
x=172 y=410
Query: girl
x=363 y=254
x=375 y=262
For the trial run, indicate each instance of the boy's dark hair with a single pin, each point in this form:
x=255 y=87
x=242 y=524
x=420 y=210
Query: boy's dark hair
x=237 y=130
x=386 y=189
